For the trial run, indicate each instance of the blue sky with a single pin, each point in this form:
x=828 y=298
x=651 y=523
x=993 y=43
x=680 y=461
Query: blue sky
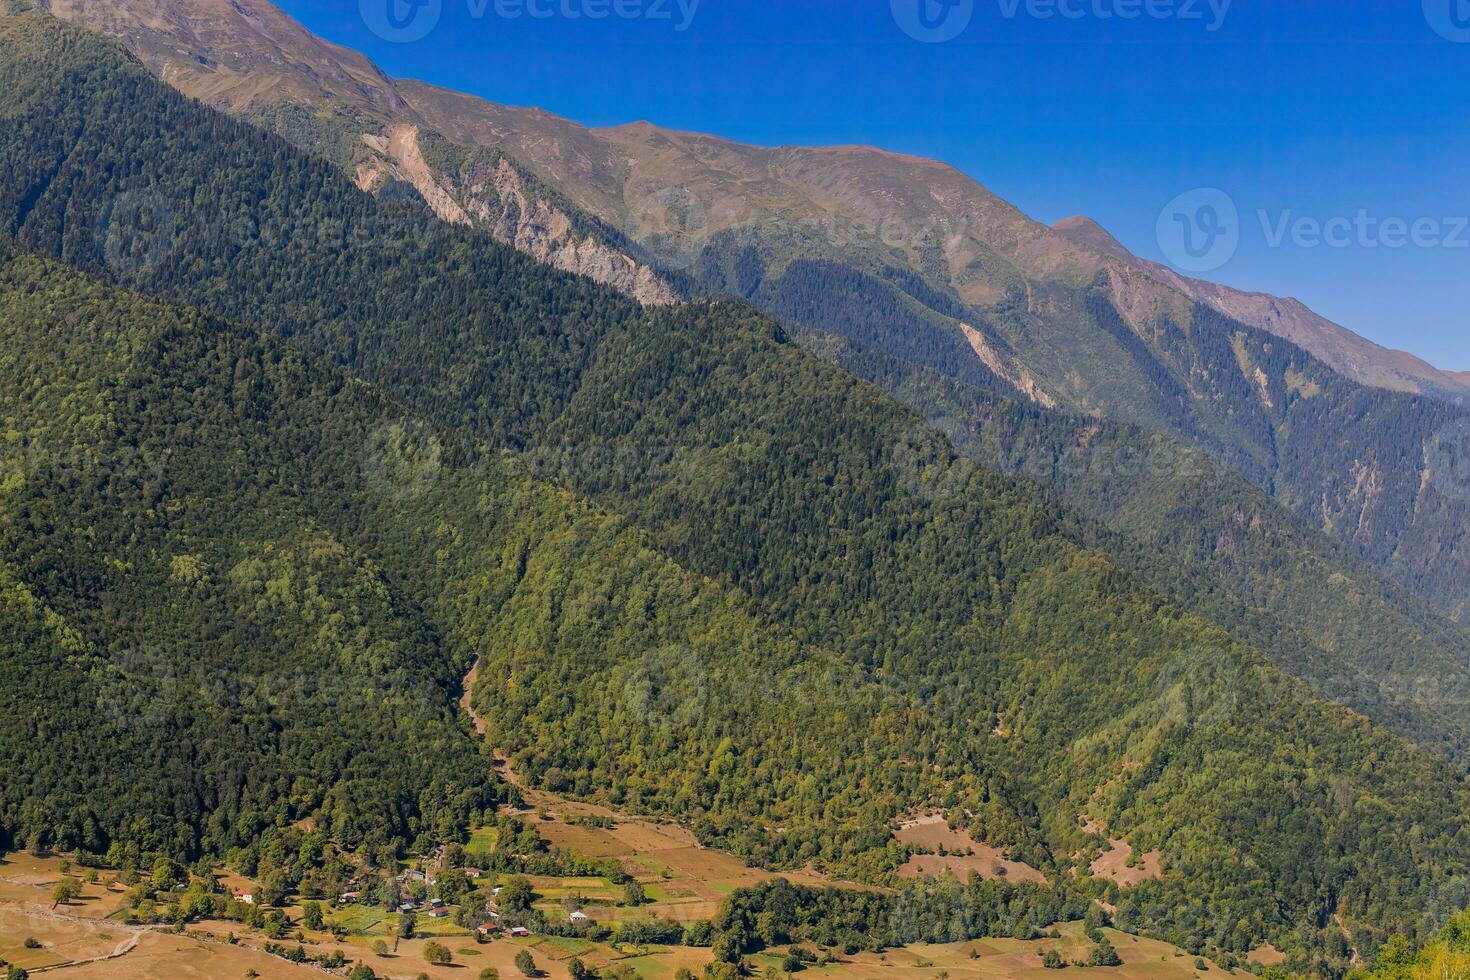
x=1302 y=111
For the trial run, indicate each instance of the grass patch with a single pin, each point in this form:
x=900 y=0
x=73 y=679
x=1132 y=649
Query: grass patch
x=360 y=918
x=569 y=945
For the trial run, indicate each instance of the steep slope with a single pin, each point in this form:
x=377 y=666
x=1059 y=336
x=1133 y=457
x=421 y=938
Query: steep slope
x=891 y=311
x=1342 y=350
x=1216 y=544
x=1381 y=471
x=1004 y=672
x=194 y=651
x=252 y=60
x=1062 y=317
x=248 y=57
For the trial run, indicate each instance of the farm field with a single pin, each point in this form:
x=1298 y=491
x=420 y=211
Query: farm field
x=683 y=882
x=957 y=852
x=80 y=940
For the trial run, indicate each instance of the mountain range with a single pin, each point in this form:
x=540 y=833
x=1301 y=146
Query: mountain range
x=950 y=276
x=907 y=269
x=686 y=445
x=249 y=58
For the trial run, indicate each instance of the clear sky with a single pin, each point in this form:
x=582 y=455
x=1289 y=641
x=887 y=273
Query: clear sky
x=1302 y=111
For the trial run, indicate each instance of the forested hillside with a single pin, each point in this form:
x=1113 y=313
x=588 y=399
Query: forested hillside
x=1200 y=533
x=194 y=651
x=758 y=540
x=892 y=251
x=1361 y=464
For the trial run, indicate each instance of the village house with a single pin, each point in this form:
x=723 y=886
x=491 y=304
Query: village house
x=243 y=896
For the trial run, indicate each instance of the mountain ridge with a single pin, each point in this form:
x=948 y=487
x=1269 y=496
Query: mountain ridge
x=565 y=152
x=1347 y=353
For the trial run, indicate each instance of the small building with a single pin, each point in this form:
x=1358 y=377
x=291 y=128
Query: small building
x=438 y=913
x=243 y=896
x=520 y=932
x=473 y=872
x=436 y=902
x=349 y=898
x=407 y=907
x=580 y=918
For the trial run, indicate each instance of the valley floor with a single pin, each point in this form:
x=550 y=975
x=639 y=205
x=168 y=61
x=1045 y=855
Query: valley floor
x=85 y=939
x=684 y=881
